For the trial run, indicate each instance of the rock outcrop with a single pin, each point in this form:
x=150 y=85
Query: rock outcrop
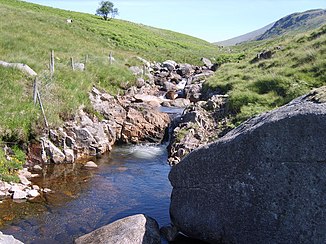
x=263 y=182
x=200 y=123
x=124 y=121
x=131 y=118
x=137 y=229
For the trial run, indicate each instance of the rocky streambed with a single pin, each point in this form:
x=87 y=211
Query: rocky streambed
x=261 y=182
x=139 y=117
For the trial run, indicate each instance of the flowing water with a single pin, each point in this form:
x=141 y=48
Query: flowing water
x=129 y=180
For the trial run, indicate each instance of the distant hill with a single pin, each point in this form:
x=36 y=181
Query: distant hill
x=290 y=24
x=295 y=23
x=246 y=37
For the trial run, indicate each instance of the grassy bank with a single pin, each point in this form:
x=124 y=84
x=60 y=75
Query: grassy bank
x=298 y=64
x=28 y=32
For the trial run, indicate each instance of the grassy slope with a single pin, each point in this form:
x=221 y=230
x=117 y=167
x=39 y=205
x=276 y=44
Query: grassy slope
x=297 y=67
x=36 y=29
x=28 y=32
x=296 y=23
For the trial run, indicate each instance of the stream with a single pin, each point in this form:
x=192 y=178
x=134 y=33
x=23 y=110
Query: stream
x=129 y=180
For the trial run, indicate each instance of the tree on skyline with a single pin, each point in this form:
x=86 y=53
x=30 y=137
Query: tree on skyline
x=107 y=9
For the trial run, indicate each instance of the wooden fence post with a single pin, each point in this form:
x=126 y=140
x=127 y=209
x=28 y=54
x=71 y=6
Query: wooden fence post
x=72 y=63
x=35 y=91
x=110 y=58
x=52 y=63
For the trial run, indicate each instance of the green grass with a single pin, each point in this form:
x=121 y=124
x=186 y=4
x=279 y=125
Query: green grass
x=28 y=32
x=298 y=64
x=16 y=105
x=9 y=168
x=32 y=30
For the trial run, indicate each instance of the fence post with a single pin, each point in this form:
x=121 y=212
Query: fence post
x=52 y=63
x=72 y=63
x=110 y=57
x=35 y=91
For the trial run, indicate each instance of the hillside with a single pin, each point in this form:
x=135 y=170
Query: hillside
x=296 y=23
x=28 y=32
x=289 y=25
x=246 y=37
x=90 y=34
x=294 y=66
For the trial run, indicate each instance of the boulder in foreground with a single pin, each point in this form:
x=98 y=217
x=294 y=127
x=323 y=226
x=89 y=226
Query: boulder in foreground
x=264 y=182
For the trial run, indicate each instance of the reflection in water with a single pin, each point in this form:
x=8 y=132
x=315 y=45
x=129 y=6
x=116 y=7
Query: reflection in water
x=130 y=180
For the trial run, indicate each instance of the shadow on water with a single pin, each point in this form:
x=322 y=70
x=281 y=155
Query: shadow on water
x=129 y=180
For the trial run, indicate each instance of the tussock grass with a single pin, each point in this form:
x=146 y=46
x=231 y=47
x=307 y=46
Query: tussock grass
x=298 y=64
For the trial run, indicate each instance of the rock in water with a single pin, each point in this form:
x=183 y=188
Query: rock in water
x=264 y=182
x=18 y=195
x=137 y=229
x=90 y=164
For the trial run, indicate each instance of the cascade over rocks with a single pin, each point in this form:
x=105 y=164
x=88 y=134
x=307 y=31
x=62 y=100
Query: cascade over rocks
x=132 y=118
x=85 y=136
x=263 y=182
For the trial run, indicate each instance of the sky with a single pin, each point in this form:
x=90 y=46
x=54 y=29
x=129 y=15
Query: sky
x=211 y=20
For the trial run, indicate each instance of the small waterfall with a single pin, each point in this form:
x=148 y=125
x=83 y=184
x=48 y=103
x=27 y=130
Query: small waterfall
x=142 y=151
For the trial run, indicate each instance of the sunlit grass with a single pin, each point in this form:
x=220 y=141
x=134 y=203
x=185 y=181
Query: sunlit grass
x=298 y=64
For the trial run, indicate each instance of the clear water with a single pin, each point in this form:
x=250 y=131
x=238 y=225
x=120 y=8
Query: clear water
x=129 y=180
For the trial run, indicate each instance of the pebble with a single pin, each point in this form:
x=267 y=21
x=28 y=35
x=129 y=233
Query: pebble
x=36 y=187
x=90 y=164
x=24 y=180
x=37 y=168
x=46 y=190
x=33 y=193
x=19 y=195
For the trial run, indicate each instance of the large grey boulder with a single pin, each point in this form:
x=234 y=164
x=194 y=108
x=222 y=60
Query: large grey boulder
x=264 y=182
x=136 y=229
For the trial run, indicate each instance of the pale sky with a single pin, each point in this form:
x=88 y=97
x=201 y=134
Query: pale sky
x=211 y=20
